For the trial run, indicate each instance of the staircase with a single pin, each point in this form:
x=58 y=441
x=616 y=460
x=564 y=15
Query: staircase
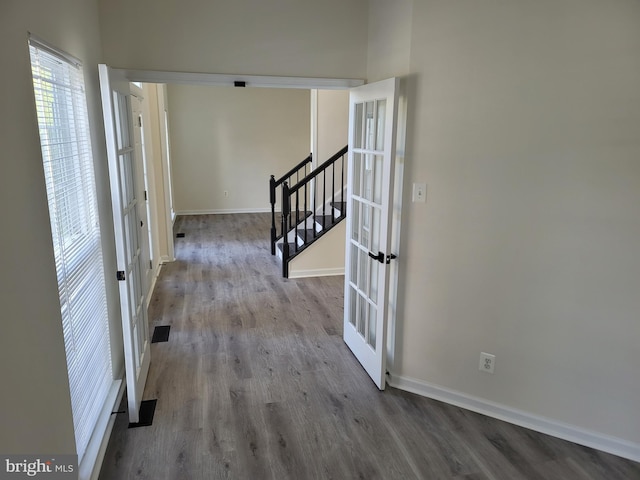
x=311 y=204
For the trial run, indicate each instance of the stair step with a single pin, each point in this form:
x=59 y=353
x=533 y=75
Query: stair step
x=310 y=235
x=292 y=247
x=325 y=221
x=302 y=216
x=342 y=206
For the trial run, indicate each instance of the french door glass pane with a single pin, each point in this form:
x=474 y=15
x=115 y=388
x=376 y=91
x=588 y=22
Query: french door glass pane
x=132 y=293
x=122 y=121
x=353 y=310
x=370 y=126
x=375 y=230
x=127 y=234
x=377 y=184
x=381 y=114
x=134 y=241
x=367 y=186
x=358 y=117
x=136 y=347
x=355 y=222
x=363 y=271
x=357 y=174
x=128 y=165
x=373 y=289
x=372 y=327
x=366 y=225
x=123 y=179
x=354 y=261
x=362 y=315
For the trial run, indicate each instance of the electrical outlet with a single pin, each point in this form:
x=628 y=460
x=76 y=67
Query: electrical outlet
x=487 y=362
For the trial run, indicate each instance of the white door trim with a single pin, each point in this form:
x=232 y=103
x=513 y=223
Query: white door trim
x=222 y=80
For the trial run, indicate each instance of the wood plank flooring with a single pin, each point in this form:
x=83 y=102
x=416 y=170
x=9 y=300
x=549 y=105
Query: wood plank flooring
x=256 y=383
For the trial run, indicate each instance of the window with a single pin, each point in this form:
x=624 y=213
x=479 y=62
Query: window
x=68 y=167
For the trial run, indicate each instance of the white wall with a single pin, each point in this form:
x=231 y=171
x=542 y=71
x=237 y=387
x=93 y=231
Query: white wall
x=332 y=120
x=330 y=110
x=35 y=407
x=389 y=45
x=233 y=139
x=523 y=122
x=279 y=37
x=324 y=258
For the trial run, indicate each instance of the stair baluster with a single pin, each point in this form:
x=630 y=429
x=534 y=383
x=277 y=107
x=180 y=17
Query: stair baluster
x=292 y=222
x=273 y=186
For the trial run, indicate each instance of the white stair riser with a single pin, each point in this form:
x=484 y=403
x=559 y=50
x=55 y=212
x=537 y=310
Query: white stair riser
x=309 y=223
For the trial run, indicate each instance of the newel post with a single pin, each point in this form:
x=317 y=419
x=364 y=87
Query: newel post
x=272 y=199
x=286 y=212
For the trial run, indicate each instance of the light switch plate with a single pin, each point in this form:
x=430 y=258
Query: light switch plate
x=419 y=193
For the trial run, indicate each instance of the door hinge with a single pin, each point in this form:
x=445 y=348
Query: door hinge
x=139 y=121
x=145 y=196
x=150 y=264
x=120 y=275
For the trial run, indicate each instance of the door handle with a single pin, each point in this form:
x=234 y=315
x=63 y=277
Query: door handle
x=379 y=257
x=382 y=258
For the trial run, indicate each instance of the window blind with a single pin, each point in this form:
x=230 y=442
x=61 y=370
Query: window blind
x=68 y=167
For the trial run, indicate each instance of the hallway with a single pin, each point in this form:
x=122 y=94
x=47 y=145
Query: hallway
x=256 y=383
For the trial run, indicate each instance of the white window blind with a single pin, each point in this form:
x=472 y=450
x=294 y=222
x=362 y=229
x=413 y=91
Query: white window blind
x=68 y=166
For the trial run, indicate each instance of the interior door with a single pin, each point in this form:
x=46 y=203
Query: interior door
x=142 y=188
x=125 y=193
x=372 y=136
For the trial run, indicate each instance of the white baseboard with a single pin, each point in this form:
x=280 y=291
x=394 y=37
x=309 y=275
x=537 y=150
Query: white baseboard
x=153 y=282
x=89 y=468
x=613 y=445
x=165 y=259
x=224 y=211
x=318 y=272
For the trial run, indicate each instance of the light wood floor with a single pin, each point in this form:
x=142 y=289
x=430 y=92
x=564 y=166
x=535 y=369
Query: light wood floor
x=256 y=383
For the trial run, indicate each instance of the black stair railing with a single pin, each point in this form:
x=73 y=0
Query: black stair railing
x=310 y=195
x=273 y=195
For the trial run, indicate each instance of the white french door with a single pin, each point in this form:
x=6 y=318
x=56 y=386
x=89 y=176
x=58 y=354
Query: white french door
x=142 y=188
x=372 y=137
x=126 y=194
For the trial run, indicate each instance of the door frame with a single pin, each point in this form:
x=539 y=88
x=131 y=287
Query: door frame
x=217 y=79
x=309 y=83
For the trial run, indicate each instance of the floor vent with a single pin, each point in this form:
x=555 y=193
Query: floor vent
x=161 y=334
x=147 y=410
